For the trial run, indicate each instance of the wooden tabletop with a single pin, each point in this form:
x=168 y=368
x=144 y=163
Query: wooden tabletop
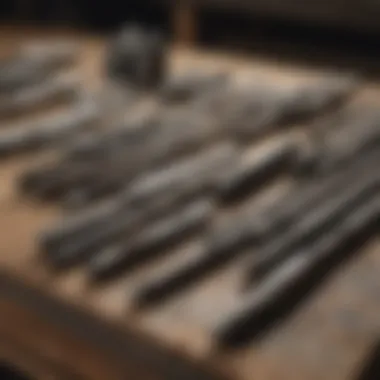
x=77 y=330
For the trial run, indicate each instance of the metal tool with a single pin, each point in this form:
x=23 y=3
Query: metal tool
x=34 y=63
x=151 y=241
x=261 y=305
x=48 y=131
x=313 y=224
x=352 y=131
x=137 y=57
x=61 y=89
x=142 y=201
x=192 y=85
x=252 y=228
x=249 y=173
x=261 y=110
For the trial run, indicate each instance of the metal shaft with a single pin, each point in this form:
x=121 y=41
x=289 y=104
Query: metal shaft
x=262 y=305
x=250 y=173
x=60 y=89
x=48 y=131
x=34 y=63
x=222 y=246
x=152 y=241
x=312 y=225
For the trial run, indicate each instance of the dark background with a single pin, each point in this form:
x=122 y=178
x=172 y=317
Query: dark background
x=98 y=15
x=230 y=27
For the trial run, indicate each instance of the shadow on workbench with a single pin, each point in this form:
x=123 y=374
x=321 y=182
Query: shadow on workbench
x=291 y=41
x=9 y=373
x=278 y=38
x=371 y=369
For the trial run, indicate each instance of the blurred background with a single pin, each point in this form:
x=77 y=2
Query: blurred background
x=336 y=30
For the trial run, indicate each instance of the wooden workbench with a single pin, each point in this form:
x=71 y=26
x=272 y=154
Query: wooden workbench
x=57 y=327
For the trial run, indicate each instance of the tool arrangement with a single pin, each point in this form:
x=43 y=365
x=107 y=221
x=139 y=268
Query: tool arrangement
x=186 y=160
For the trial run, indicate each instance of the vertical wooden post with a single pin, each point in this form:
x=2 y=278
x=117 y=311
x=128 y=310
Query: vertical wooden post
x=185 y=24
